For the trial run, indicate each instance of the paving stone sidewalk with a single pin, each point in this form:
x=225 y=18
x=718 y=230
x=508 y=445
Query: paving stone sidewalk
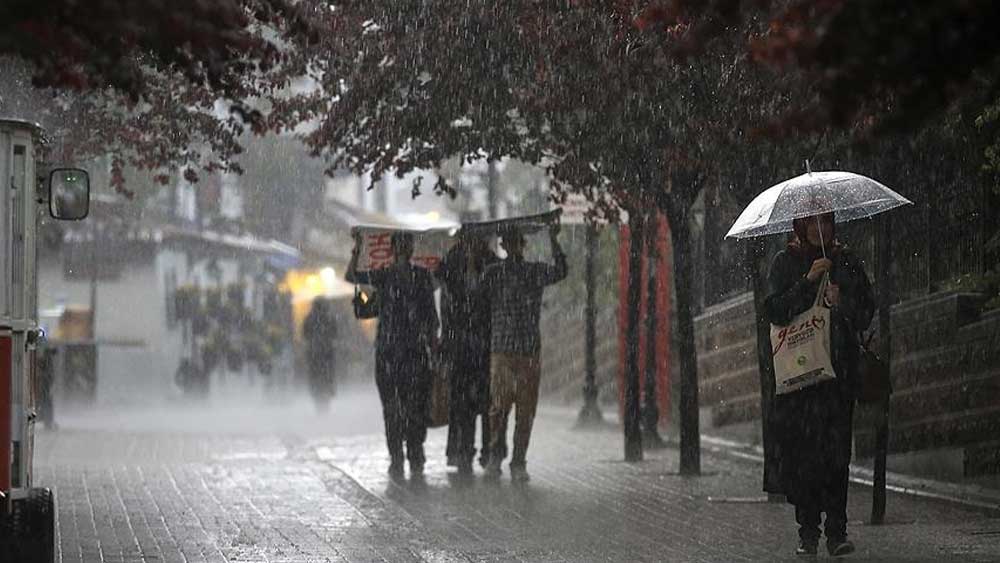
x=218 y=493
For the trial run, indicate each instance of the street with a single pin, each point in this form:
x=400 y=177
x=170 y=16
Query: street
x=246 y=481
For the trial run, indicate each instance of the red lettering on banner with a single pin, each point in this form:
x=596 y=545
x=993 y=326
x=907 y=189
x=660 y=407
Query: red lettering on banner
x=379 y=250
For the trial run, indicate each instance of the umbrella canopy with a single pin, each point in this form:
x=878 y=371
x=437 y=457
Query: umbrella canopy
x=850 y=196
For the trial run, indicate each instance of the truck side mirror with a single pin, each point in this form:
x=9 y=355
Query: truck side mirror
x=69 y=194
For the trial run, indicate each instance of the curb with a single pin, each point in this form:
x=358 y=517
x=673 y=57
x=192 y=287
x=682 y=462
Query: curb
x=966 y=495
x=972 y=496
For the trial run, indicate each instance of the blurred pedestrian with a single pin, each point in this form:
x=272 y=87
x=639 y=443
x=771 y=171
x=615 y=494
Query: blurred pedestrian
x=465 y=345
x=407 y=330
x=320 y=332
x=515 y=288
x=812 y=426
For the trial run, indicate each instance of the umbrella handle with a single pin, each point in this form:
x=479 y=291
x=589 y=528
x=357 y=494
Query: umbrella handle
x=819 y=229
x=821 y=293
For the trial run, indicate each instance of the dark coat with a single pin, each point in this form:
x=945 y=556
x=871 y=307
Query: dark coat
x=812 y=426
x=408 y=318
x=466 y=310
x=320 y=332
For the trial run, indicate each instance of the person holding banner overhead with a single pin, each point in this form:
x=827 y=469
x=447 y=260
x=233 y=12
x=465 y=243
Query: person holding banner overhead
x=819 y=300
x=407 y=330
x=515 y=287
x=465 y=312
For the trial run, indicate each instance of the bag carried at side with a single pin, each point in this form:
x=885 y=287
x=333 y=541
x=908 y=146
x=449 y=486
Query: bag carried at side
x=801 y=350
x=438 y=403
x=365 y=305
x=874 y=384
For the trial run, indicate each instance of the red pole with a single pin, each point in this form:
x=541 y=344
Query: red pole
x=663 y=280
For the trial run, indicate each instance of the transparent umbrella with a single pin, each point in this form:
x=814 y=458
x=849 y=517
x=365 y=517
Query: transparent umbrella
x=850 y=196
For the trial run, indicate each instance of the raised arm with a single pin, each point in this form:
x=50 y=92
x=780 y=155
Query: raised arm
x=554 y=273
x=352 y=274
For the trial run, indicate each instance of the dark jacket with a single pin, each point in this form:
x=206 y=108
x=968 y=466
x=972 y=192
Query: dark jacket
x=813 y=426
x=407 y=314
x=465 y=308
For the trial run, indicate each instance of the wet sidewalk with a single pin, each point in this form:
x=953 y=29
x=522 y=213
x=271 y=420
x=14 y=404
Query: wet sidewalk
x=225 y=492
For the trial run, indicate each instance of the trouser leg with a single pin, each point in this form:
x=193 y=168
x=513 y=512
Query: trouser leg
x=464 y=409
x=392 y=409
x=414 y=389
x=454 y=414
x=807 y=515
x=526 y=399
x=483 y=405
x=501 y=400
x=835 y=505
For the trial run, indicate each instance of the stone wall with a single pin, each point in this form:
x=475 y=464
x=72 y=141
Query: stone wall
x=726 y=340
x=946 y=376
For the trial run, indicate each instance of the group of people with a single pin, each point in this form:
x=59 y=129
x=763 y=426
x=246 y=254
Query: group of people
x=490 y=343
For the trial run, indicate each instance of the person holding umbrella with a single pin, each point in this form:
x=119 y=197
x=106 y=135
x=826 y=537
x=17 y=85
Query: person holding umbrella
x=818 y=280
x=813 y=425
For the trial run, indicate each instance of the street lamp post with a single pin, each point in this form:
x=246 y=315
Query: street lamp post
x=885 y=285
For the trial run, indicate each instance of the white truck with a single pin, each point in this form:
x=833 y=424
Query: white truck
x=27 y=514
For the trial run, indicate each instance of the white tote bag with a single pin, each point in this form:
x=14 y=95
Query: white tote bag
x=801 y=349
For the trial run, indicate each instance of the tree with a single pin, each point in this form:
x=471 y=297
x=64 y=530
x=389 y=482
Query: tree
x=888 y=64
x=90 y=46
x=160 y=86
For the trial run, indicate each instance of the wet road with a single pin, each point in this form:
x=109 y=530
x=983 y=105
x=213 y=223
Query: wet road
x=246 y=480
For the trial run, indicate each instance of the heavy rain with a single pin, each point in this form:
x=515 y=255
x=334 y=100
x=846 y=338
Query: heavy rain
x=303 y=281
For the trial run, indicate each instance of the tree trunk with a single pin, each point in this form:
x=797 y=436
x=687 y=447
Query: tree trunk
x=650 y=408
x=633 y=432
x=681 y=237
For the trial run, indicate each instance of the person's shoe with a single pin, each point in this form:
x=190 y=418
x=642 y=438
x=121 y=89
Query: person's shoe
x=416 y=468
x=465 y=467
x=396 y=470
x=493 y=471
x=518 y=474
x=839 y=548
x=806 y=549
